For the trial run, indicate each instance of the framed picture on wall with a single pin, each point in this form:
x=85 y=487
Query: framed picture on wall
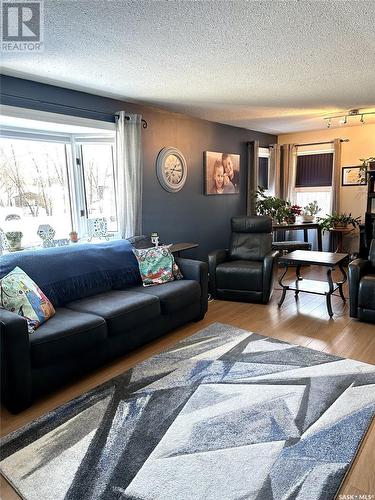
x=353 y=176
x=221 y=173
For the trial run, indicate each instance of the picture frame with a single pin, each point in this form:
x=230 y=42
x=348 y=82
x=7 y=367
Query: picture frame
x=221 y=173
x=353 y=176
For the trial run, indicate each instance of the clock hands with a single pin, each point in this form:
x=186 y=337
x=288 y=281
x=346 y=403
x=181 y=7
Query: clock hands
x=176 y=169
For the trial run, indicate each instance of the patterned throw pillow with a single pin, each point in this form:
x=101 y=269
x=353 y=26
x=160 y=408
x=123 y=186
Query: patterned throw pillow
x=157 y=265
x=19 y=294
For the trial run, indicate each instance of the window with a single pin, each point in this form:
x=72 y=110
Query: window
x=97 y=161
x=263 y=168
x=314 y=179
x=322 y=196
x=56 y=178
x=34 y=188
x=314 y=170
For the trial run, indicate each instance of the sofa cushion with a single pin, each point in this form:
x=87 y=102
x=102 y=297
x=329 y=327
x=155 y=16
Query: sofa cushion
x=67 y=333
x=366 y=296
x=240 y=275
x=122 y=309
x=157 y=265
x=19 y=294
x=174 y=295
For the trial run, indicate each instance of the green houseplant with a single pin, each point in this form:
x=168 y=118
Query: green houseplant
x=338 y=221
x=272 y=206
x=367 y=164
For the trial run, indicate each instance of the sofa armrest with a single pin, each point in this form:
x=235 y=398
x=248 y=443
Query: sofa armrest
x=357 y=269
x=214 y=259
x=269 y=275
x=16 y=382
x=198 y=271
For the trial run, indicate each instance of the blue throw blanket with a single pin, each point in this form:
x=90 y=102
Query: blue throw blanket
x=69 y=273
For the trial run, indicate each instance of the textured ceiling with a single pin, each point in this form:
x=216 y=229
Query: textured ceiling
x=274 y=66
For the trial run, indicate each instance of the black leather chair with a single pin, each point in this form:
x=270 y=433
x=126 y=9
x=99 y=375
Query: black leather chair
x=362 y=287
x=245 y=271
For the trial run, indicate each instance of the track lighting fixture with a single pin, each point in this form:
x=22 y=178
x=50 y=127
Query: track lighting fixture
x=344 y=119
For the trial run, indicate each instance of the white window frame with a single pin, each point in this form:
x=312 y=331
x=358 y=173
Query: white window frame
x=265 y=153
x=74 y=161
x=80 y=181
x=39 y=119
x=318 y=189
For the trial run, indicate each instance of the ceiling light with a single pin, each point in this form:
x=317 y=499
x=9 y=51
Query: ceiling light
x=343 y=119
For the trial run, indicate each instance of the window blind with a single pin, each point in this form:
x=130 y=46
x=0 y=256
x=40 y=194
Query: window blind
x=314 y=170
x=263 y=173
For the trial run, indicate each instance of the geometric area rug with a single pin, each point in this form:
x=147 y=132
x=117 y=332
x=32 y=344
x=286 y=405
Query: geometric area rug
x=225 y=414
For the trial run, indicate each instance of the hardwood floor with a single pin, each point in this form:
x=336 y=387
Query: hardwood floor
x=304 y=321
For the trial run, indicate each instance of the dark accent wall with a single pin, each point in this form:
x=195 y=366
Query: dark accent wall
x=189 y=215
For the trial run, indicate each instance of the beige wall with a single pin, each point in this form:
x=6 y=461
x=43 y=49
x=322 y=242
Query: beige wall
x=361 y=145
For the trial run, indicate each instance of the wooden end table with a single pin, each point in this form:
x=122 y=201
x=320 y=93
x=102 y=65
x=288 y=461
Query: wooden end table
x=329 y=260
x=303 y=226
x=177 y=248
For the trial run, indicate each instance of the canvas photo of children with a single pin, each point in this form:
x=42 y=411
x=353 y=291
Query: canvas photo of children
x=222 y=173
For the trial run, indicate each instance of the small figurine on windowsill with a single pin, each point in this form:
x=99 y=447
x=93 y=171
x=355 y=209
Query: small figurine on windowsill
x=155 y=239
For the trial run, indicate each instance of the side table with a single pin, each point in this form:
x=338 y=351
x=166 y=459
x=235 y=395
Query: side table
x=341 y=232
x=177 y=248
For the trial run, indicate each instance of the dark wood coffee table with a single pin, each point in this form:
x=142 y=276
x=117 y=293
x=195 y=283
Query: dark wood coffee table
x=326 y=259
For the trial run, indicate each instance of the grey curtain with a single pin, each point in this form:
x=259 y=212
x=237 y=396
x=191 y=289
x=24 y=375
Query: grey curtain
x=336 y=170
x=274 y=180
x=252 y=175
x=129 y=173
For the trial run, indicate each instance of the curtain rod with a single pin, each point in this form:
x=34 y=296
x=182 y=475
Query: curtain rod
x=109 y=116
x=317 y=143
x=144 y=123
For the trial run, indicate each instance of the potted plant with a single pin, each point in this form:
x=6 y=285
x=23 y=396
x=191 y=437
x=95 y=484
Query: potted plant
x=310 y=211
x=14 y=239
x=367 y=164
x=73 y=236
x=272 y=206
x=293 y=212
x=336 y=221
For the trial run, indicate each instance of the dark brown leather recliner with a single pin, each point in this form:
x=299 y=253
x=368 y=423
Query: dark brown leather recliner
x=362 y=287
x=245 y=271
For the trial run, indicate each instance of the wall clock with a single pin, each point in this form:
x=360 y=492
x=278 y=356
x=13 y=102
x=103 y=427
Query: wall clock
x=171 y=169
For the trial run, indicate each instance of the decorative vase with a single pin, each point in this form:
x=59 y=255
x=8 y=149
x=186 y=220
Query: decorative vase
x=46 y=233
x=97 y=228
x=14 y=240
x=340 y=225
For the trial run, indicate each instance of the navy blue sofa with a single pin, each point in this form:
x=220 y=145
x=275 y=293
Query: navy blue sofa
x=103 y=321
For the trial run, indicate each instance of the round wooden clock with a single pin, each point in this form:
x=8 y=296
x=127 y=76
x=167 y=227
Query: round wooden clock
x=171 y=169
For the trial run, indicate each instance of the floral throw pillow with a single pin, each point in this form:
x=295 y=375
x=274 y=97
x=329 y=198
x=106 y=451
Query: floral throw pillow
x=19 y=294
x=157 y=265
